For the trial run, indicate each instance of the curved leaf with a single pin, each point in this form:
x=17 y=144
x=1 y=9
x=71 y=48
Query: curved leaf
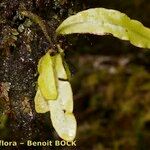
x=59 y=67
x=54 y=94
x=65 y=96
x=47 y=79
x=41 y=105
x=103 y=21
x=63 y=122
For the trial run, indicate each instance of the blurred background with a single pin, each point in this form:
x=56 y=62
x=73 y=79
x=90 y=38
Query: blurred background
x=110 y=77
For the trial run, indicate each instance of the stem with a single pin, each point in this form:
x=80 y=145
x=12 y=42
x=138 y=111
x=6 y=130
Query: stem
x=38 y=20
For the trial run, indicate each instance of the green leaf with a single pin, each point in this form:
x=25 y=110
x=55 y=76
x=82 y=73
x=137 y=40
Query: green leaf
x=65 y=96
x=56 y=96
x=61 y=109
x=59 y=67
x=41 y=105
x=103 y=21
x=63 y=122
x=47 y=79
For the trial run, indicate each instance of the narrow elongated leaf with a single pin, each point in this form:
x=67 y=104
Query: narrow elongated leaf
x=59 y=67
x=41 y=105
x=60 y=109
x=103 y=21
x=68 y=72
x=65 y=65
x=55 y=95
x=47 y=79
x=65 y=96
x=63 y=122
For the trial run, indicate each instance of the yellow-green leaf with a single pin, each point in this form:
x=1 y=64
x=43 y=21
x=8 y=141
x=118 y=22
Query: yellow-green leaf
x=60 y=109
x=47 y=79
x=66 y=66
x=63 y=122
x=56 y=96
x=103 y=21
x=65 y=97
x=59 y=67
x=41 y=105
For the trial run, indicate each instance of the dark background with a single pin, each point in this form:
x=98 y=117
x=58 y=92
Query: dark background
x=110 y=77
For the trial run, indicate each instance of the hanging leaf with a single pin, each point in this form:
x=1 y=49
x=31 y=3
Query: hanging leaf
x=67 y=74
x=59 y=67
x=103 y=21
x=51 y=69
x=65 y=96
x=41 y=105
x=60 y=109
x=47 y=79
x=63 y=122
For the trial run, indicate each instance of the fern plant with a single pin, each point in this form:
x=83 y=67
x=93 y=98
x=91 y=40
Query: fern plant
x=54 y=92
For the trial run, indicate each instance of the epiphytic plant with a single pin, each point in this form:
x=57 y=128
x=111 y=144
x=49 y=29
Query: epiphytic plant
x=54 y=92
